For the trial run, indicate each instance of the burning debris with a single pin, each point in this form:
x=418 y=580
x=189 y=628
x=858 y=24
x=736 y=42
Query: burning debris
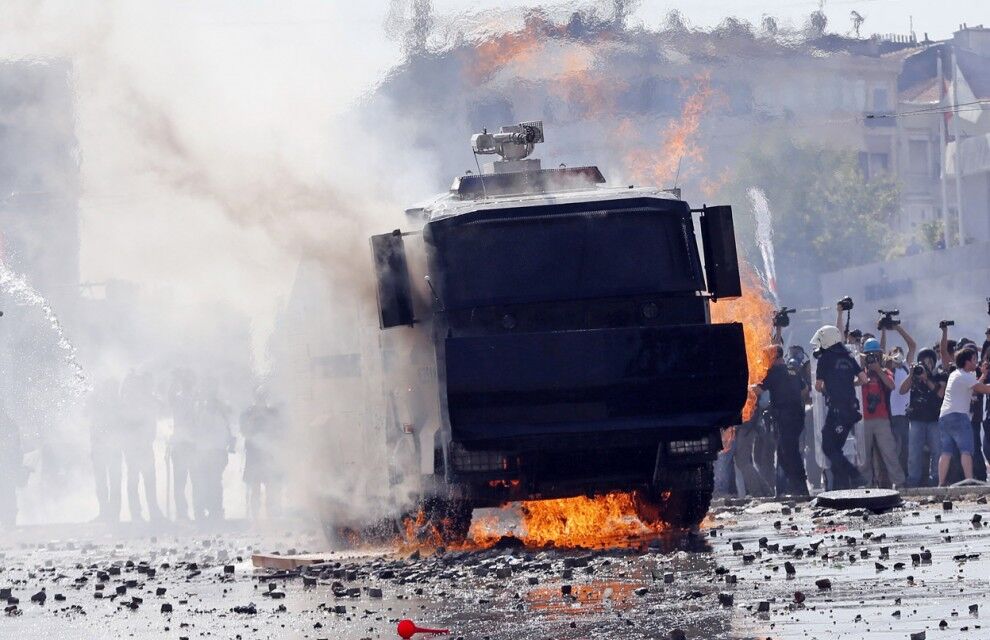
x=591 y=523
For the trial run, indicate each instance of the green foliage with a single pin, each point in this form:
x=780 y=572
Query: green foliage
x=826 y=216
x=933 y=234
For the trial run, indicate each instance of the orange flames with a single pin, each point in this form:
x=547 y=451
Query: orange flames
x=755 y=312
x=583 y=521
x=678 y=148
x=600 y=521
x=518 y=48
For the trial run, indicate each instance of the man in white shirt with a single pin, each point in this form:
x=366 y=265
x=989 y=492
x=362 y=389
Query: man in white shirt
x=954 y=422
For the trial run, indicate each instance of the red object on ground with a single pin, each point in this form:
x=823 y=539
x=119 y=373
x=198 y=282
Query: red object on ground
x=407 y=629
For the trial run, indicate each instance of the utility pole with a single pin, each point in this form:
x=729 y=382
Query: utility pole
x=956 y=135
x=943 y=177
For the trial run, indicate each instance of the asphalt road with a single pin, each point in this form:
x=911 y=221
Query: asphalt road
x=756 y=571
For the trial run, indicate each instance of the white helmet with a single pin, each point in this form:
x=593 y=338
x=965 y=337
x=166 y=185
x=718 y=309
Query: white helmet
x=826 y=337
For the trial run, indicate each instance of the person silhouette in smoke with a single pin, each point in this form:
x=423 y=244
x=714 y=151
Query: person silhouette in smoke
x=140 y=416
x=12 y=471
x=213 y=444
x=261 y=425
x=182 y=445
x=105 y=447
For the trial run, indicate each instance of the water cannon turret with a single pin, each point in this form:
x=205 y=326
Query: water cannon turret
x=513 y=143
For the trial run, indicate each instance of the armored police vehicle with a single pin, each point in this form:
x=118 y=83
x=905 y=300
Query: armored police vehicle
x=553 y=339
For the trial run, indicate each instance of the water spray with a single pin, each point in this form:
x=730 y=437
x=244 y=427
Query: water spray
x=17 y=286
x=764 y=238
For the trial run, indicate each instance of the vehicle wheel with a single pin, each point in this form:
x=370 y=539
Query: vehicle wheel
x=443 y=521
x=681 y=500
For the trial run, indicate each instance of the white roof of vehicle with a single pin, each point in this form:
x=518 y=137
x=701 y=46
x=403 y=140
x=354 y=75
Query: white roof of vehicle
x=448 y=204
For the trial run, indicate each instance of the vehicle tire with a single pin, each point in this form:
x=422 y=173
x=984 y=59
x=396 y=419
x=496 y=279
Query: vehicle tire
x=447 y=521
x=681 y=499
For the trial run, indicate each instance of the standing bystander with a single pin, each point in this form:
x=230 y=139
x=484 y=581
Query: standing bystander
x=926 y=387
x=954 y=420
x=836 y=375
x=787 y=399
x=876 y=417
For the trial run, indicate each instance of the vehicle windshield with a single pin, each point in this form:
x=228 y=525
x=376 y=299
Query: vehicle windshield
x=492 y=258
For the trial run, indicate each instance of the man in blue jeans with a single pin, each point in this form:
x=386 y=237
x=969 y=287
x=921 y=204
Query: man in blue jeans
x=926 y=386
x=954 y=421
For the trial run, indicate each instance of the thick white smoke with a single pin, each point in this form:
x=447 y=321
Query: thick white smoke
x=216 y=151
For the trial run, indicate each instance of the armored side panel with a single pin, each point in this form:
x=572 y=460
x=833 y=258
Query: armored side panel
x=721 y=261
x=395 y=306
x=595 y=381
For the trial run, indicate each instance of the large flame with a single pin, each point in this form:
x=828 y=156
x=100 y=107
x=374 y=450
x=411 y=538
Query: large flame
x=678 y=148
x=587 y=522
x=755 y=311
x=583 y=522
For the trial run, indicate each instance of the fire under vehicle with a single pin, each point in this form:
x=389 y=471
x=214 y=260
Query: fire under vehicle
x=557 y=341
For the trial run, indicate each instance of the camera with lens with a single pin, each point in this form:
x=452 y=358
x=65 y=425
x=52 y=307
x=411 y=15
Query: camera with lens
x=918 y=370
x=946 y=323
x=887 y=320
x=872 y=357
x=782 y=317
x=846 y=304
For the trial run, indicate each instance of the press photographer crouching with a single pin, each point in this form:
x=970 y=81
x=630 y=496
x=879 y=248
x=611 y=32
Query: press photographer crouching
x=926 y=387
x=787 y=399
x=836 y=375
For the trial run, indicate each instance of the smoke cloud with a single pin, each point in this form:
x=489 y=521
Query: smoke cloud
x=215 y=154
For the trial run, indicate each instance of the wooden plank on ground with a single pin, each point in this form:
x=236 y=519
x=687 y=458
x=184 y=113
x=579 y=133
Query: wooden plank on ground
x=286 y=563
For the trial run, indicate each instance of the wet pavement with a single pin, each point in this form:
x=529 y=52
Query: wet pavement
x=758 y=570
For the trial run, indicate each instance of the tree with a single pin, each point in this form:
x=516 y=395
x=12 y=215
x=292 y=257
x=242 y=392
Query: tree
x=857 y=21
x=825 y=214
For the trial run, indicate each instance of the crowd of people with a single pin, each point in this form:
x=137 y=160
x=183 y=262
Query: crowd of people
x=863 y=412
x=195 y=431
x=124 y=418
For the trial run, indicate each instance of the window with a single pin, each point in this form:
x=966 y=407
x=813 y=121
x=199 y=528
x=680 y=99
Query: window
x=878 y=163
x=872 y=165
x=880 y=100
x=918 y=157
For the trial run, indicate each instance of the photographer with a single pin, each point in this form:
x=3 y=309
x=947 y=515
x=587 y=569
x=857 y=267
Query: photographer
x=926 y=386
x=954 y=420
x=897 y=363
x=836 y=375
x=876 y=416
x=853 y=338
x=787 y=398
x=946 y=347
